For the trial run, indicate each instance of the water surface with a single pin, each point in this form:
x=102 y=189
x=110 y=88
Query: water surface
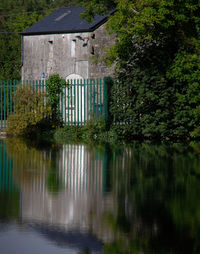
x=141 y=198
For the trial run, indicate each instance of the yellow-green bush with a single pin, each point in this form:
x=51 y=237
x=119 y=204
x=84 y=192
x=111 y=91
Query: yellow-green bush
x=31 y=108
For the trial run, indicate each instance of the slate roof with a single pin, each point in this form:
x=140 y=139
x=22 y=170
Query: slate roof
x=65 y=20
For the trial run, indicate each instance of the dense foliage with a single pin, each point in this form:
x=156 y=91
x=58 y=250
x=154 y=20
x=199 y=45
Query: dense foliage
x=31 y=109
x=157 y=208
x=55 y=85
x=158 y=59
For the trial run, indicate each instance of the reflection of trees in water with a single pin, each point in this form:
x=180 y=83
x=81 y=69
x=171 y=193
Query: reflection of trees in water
x=62 y=186
x=33 y=166
x=157 y=190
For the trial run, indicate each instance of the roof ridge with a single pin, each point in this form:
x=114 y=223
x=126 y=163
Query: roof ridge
x=60 y=21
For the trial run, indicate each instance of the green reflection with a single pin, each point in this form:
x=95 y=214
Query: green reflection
x=34 y=165
x=9 y=205
x=143 y=197
x=9 y=195
x=54 y=183
x=157 y=190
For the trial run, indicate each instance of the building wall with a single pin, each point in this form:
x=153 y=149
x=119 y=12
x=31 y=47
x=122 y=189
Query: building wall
x=50 y=54
x=64 y=54
x=100 y=42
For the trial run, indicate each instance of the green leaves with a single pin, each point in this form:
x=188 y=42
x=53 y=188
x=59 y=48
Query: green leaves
x=55 y=86
x=157 y=58
x=30 y=109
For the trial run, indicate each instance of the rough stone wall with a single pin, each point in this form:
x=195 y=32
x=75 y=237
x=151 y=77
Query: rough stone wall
x=100 y=41
x=50 y=54
x=66 y=54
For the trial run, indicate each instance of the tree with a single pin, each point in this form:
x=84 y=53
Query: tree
x=158 y=58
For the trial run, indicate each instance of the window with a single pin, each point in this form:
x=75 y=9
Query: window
x=73 y=48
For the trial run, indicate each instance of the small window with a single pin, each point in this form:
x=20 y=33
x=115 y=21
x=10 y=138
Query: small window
x=92 y=50
x=73 y=48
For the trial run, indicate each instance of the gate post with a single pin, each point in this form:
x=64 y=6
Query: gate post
x=107 y=82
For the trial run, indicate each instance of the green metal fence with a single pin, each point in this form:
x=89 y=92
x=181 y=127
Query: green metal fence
x=81 y=99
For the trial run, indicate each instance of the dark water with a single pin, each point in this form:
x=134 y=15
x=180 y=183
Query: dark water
x=81 y=199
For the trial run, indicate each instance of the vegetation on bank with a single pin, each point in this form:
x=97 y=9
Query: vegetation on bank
x=37 y=115
x=36 y=111
x=157 y=57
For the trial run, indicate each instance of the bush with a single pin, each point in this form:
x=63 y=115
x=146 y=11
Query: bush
x=55 y=85
x=94 y=128
x=31 y=110
x=69 y=133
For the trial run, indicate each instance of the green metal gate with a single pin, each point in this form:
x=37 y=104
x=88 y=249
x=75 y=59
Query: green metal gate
x=81 y=99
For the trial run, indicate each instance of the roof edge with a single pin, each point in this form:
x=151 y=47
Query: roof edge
x=57 y=32
x=70 y=31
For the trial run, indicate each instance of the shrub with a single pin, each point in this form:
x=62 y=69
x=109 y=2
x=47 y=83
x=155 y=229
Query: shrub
x=69 y=133
x=94 y=130
x=31 y=109
x=94 y=127
x=55 y=85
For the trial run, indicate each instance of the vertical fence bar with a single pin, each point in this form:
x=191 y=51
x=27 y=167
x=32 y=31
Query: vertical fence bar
x=15 y=89
x=107 y=81
x=33 y=85
x=78 y=101
x=84 y=101
x=61 y=106
x=68 y=97
x=105 y=102
x=71 y=100
x=40 y=85
x=98 y=104
x=43 y=86
x=90 y=97
x=100 y=97
x=75 y=118
x=65 y=102
x=94 y=93
x=81 y=107
x=87 y=99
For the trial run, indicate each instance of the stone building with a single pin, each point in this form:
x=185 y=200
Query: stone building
x=65 y=44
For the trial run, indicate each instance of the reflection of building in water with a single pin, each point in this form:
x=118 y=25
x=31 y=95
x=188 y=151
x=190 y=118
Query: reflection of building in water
x=80 y=202
x=81 y=170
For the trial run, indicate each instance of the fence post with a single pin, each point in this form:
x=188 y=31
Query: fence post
x=107 y=82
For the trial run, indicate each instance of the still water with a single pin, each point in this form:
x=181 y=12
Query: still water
x=78 y=199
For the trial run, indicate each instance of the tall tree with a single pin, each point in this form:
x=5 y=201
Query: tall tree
x=158 y=59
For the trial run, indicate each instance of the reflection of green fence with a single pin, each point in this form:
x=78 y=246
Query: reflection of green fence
x=83 y=172
x=6 y=170
x=81 y=100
